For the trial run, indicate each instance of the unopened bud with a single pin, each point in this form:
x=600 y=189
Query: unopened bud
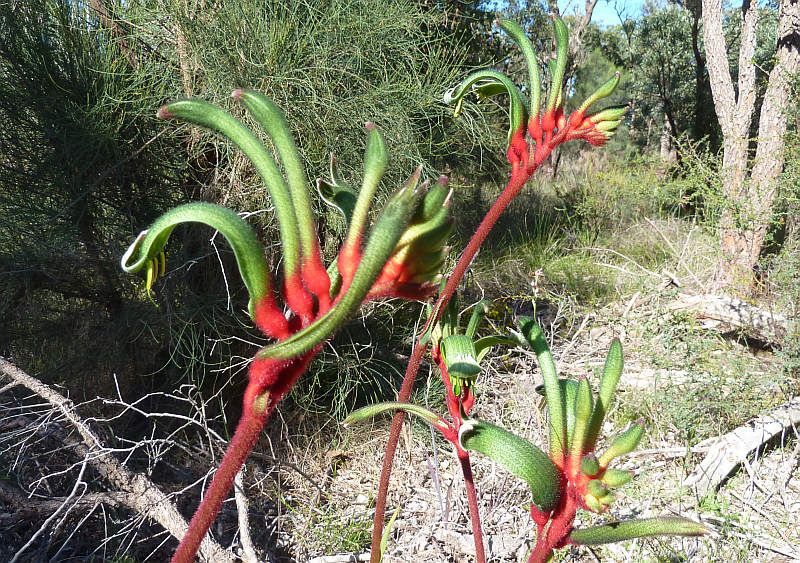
x=616 y=477
x=623 y=444
x=589 y=465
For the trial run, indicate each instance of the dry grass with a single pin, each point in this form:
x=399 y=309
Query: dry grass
x=691 y=385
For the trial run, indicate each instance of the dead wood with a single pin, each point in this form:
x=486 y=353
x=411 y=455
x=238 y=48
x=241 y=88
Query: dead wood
x=137 y=491
x=728 y=314
x=725 y=455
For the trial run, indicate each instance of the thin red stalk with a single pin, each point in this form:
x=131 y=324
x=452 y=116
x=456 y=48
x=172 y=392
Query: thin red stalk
x=557 y=530
x=472 y=500
x=245 y=437
x=512 y=189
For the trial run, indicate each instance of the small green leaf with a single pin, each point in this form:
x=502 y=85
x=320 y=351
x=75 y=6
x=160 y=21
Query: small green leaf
x=632 y=529
x=517 y=456
x=388 y=532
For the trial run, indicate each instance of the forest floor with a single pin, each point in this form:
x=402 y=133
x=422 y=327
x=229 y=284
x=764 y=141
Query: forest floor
x=311 y=483
x=690 y=383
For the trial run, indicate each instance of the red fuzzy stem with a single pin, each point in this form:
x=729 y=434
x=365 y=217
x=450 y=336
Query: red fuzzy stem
x=270 y=319
x=472 y=501
x=450 y=398
x=347 y=263
x=245 y=437
x=316 y=279
x=407 y=291
x=515 y=184
x=298 y=298
x=554 y=532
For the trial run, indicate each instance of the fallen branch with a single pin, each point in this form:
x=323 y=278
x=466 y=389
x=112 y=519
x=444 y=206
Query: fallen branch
x=734 y=447
x=728 y=314
x=138 y=492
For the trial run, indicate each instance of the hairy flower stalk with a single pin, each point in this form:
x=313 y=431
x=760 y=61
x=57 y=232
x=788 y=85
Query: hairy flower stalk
x=534 y=132
x=399 y=255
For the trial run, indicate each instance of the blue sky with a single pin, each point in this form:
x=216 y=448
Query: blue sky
x=605 y=13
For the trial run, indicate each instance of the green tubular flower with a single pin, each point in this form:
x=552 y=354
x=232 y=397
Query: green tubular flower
x=211 y=117
x=387 y=230
x=616 y=477
x=273 y=121
x=604 y=91
x=589 y=465
x=372 y=411
x=487 y=83
x=556 y=98
x=460 y=352
x=632 y=529
x=460 y=358
x=149 y=245
x=419 y=254
x=533 y=336
x=623 y=444
x=376 y=160
x=583 y=414
x=612 y=372
x=524 y=43
x=517 y=456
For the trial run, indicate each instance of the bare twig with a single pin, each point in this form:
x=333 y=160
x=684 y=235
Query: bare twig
x=242 y=506
x=140 y=494
x=715 y=310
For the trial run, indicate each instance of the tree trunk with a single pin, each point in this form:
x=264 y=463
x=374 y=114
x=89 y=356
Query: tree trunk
x=576 y=53
x=701 y=121
x=668 y=152
x=749 y=198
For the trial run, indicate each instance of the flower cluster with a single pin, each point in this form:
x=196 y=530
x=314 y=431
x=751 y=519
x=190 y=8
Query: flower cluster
x=399 y=255
x=534 y=130
x=568 y=478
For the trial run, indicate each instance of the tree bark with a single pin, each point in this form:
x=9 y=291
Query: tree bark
x=669 y=154
x=749 y=197
x=576 y=53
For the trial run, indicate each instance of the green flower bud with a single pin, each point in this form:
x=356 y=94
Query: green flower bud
x=589 y=465
x=623 y=444
x=616 y=477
